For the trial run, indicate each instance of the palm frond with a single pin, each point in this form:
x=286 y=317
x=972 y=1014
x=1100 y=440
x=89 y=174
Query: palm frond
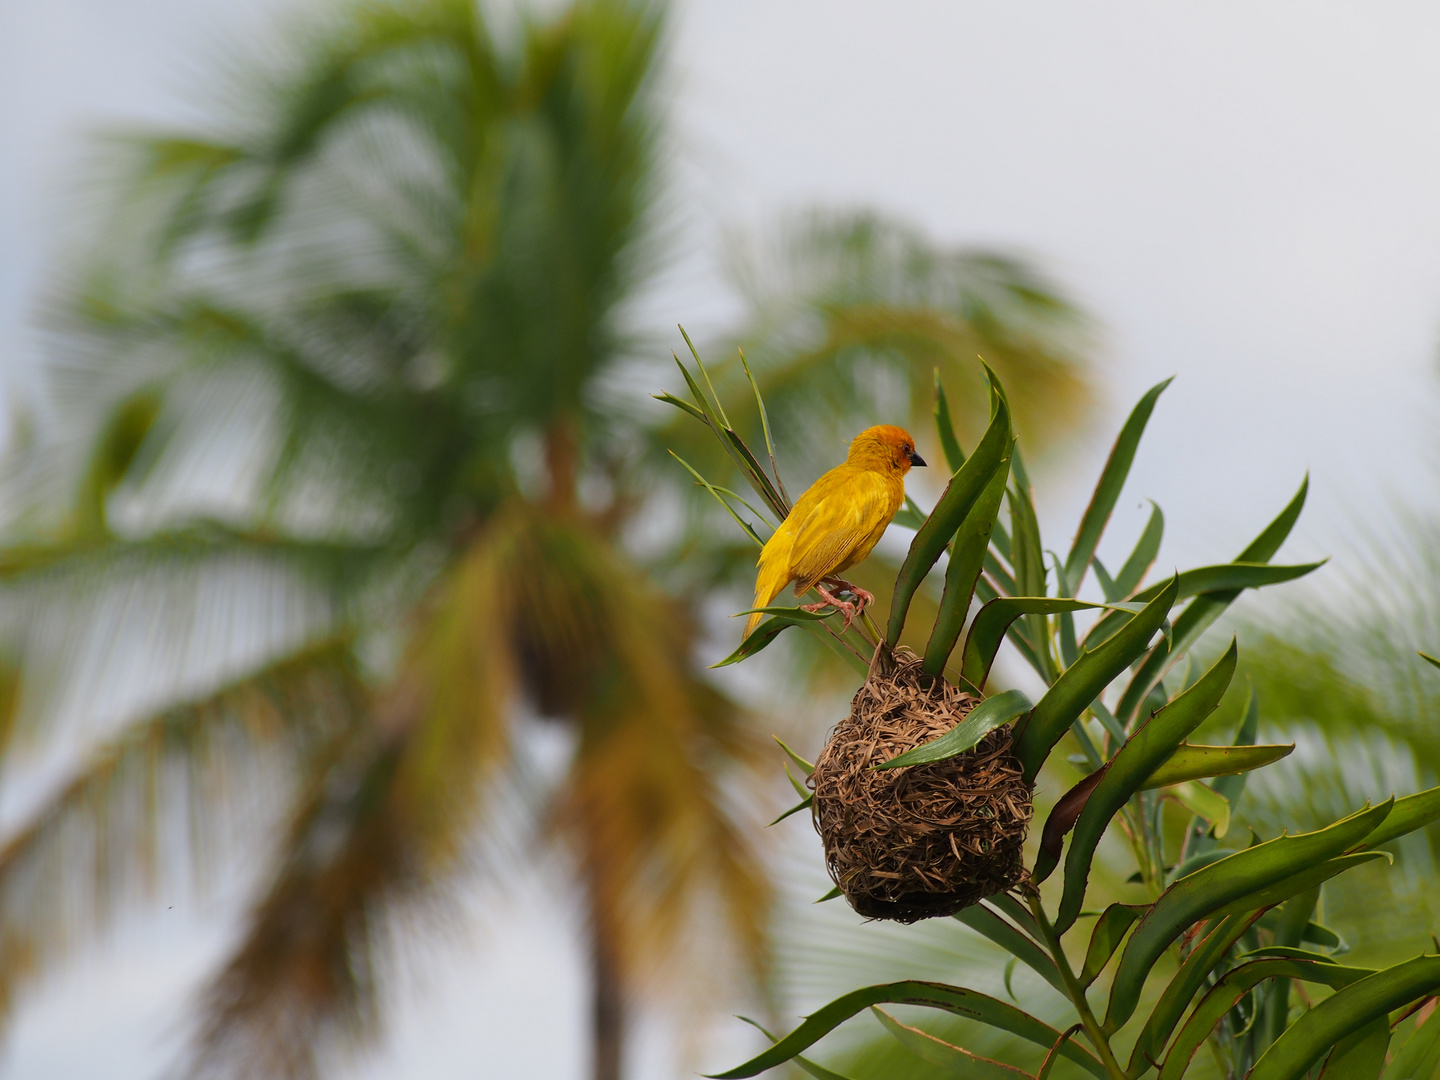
x=142 y=808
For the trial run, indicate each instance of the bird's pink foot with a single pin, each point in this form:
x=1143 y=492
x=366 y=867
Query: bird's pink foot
x=863 y=598
x=847 y=608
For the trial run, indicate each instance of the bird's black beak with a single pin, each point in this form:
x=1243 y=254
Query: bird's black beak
x=915 y=459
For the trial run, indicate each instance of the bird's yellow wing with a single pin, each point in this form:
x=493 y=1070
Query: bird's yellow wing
x=850 y=511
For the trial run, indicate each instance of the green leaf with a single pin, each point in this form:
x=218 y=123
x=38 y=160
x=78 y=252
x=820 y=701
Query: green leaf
x=1291 y=919
x=993 y=620
x=1208 y=579
x=1109 y=931
x=732 y=444
x=1107 y=585
x=1205 y=609
x=804 y=804
x=1307 y=878
x=1429 y=659
x=1410 y=813
x=1141 y=755
x=909 y=516
x=1029 y=563
x=833 y=894
x=1359 y=1056
x=990 y=925
x=799 y=761
x=967 y=557
x=1344 y=1013
x=1207 y=891
x=745 y=525
x=764 y=426
x=965 y=489
x=1182 y=988
x=1193 y=761
x=1065 y=620
x=1203 y=802
x=993 y=712
x=817 y=1071
x=681 y=404
x=954 y=456
x=1083 y=681
x=1107 y=490
x=1232 y=988
x=1198 y=839
x=1420 y=1056
x=938 y=1052
x=769 y=630
x=1143 y=557
x=951 y=999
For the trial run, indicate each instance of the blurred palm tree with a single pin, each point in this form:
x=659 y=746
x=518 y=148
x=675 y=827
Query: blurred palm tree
x=333 y=495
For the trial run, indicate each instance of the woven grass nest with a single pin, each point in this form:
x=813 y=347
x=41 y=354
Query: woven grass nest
x=922 y=840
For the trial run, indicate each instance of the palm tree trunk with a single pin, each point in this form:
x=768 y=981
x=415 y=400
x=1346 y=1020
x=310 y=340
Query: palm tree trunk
x=607 y=1005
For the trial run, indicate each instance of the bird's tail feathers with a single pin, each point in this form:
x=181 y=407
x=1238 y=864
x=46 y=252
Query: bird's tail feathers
x=768 y=583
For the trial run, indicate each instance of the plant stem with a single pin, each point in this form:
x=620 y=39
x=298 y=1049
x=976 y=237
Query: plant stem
x=1075 y=992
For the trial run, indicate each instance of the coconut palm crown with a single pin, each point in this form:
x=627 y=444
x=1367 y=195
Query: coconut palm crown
x=330 y=498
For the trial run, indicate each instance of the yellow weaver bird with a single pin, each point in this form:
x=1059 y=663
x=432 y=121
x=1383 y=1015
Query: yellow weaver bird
x=836 y=523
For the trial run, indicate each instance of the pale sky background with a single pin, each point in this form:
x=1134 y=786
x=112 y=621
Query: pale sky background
x=1245 y=195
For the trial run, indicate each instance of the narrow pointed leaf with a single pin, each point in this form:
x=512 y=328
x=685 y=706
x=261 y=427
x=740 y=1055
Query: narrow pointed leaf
x=1198 y=839
x=1420 y=1056
x=1107 y=490
x=967 y=558
x=1232 y=988
x=768 y=631
x=1147 y=548
x=1211 y=889
x=1204 y=803
x=1410 y=813
x=1029 y=563
x=799 y=761
x=993 y=712
x=1204 y=610
x=745 y=525
x=1360 y=1055
x=1429 y=659
x=1083 y=682
x=951 y=999
x=991 y=623
x=1183 y=986
x=681 y=404
x=1296 y=883
x=1137 y=759
x=817 y=1071
x=1345 y=1012
x=805 y=804
x=1210 y=579
x=990 y=925
x=960 y=496
x=1107 y=584
x=764 y=426
x=954 y=456
x=1193 y=761
x=1109 y=931
x=937 y=1051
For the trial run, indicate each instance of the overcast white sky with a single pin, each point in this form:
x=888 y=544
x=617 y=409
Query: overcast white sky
x=1246 y=195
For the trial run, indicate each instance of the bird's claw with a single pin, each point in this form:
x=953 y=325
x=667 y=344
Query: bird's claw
x=849 y=609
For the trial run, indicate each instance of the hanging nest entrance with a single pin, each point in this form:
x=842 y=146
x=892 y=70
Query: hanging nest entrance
x=921 y=840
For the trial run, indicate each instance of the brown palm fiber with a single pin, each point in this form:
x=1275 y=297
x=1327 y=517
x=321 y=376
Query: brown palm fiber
x=922 y=840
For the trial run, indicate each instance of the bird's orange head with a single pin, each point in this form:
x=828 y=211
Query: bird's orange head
x=884 y=448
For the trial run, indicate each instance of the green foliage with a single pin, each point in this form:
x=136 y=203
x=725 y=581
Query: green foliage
x=1235 y=918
